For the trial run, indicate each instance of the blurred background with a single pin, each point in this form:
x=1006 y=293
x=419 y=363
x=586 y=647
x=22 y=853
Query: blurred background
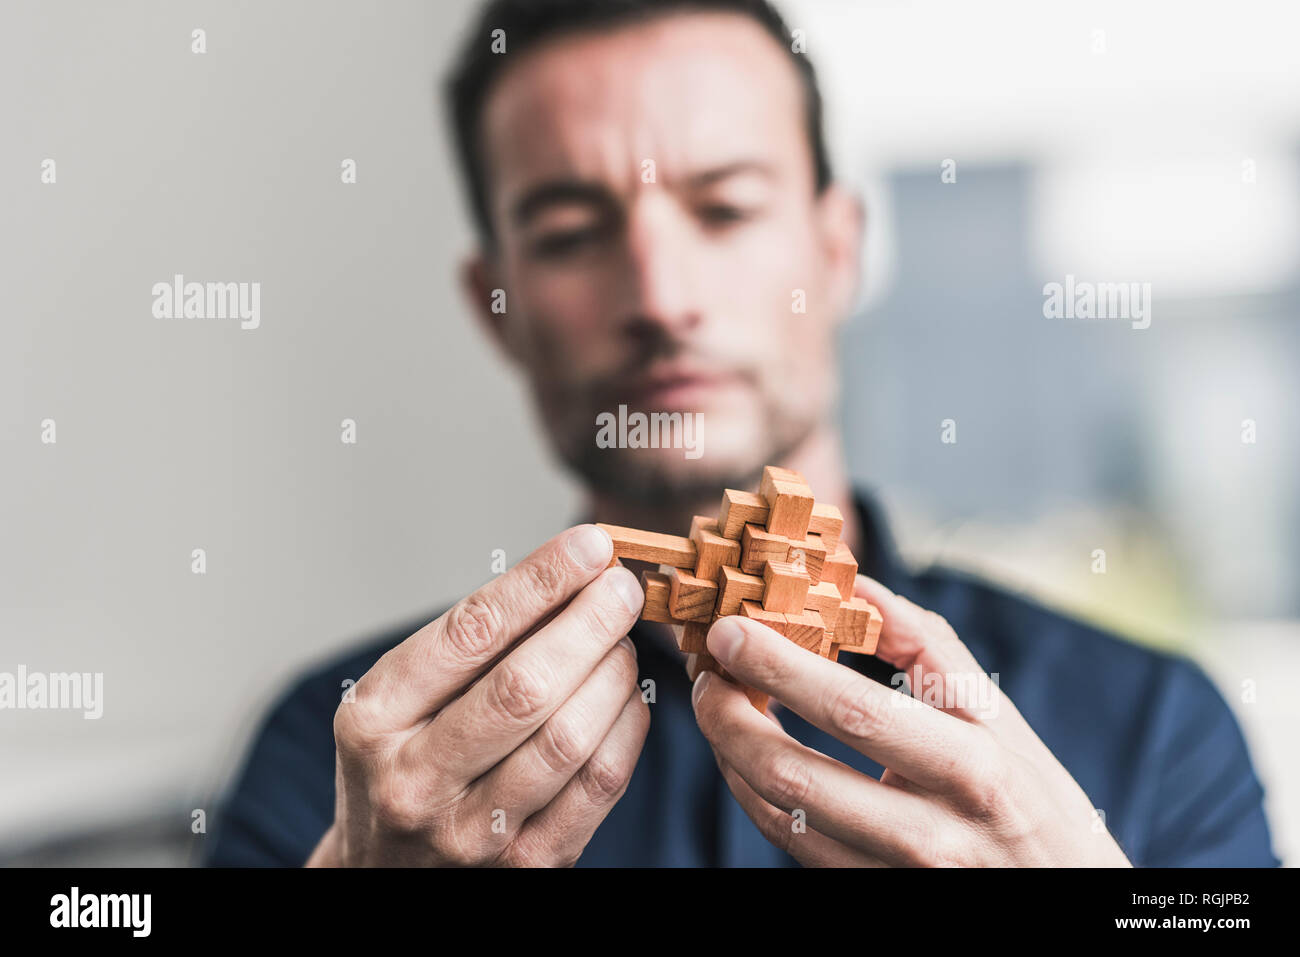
x=1000 y=147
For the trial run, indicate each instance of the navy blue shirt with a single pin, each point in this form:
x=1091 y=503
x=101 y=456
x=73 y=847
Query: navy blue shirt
x=1146 y=735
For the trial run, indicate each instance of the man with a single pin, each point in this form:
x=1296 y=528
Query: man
x=651 y=190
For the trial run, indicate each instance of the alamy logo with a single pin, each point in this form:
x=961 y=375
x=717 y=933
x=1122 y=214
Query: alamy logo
x=1098 y=300
x=657 y=430
x=179 y=299
x=56 y=691
x=75 y=909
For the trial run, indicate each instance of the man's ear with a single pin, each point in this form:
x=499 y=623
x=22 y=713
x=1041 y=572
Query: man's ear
x=480 y=279
x=842 y=220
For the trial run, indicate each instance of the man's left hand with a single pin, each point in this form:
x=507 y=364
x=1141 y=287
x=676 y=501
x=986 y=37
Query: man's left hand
x=967 y=782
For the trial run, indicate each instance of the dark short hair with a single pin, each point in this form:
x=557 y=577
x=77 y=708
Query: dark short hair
x=527 y=23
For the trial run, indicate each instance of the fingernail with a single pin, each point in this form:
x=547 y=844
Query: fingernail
x=590 y=547
x=724 y=638
x=701 y=680
x=625 y=583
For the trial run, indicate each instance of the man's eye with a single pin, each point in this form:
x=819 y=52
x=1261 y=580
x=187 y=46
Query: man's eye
x=721 y=214
x=558 y=244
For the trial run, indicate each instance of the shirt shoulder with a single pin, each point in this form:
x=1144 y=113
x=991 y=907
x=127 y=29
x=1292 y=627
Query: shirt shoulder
x=282 y=799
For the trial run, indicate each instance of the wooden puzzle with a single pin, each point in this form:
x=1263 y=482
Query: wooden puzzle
x=774 y=556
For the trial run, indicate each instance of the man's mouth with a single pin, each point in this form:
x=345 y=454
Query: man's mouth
x=673 y=389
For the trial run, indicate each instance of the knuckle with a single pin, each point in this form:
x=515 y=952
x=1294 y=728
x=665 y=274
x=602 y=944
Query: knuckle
x=561 y=744
x=985 y=785
x=606 y=615
x=602 y=780
x=470 y=627
x=859 y=712
x=517 y=693
x=922 y=847
x=546 y=575
x=789 y=779
x=395 y=807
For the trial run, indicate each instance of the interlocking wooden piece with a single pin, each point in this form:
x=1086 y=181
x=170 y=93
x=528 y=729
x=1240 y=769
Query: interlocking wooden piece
x=654 y=547
x=738 y=510
x=824 y=598
x=758 y=546
x=690 y=598
x=734 y=586
x=790 y=503
x=827 y=522
x=656 y=597
x=786 y=588
x=691 y=637
x=773 y=619
x=806 y=630
x=810 y=555
x=858 y=627
x=775 y=556
x=712 y=551
x=841 y=569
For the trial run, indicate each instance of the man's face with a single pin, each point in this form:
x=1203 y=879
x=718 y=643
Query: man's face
x=652 y=191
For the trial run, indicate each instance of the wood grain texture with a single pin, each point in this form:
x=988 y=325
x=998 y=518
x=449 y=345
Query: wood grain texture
x=734 y=586
x=691 y=598
x=841 y=569
x=758 y=546
x=828 y=522
x=655 y=608
x=810 y=554
x=654 y=547
x=786 y=588
x=712 y=550
x=738 y=510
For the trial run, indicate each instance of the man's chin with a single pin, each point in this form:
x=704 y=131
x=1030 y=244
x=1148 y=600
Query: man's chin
x=666 y=476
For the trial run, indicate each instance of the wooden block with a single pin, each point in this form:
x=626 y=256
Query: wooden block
x=691 y=598
x=756 y=698
x=738 y=510
x=824 y=598
x=786 y=588
x=859 y=625
x=702 y=661
x=774 y=620
x=827 y=522
x=810 y=555
x=830 y=648
x=653 y=547
x=841 y=568
x=806 y=630
x=774 y=473
x=691 y=637
x=656 y=597
x=712 y=551
x=734 y=586
x=790 y=503
x=758 y=546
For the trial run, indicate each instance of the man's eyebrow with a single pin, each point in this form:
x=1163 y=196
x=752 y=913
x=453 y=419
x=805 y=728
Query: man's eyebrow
x=710 y=176
x=555 y=193
x=561 y=191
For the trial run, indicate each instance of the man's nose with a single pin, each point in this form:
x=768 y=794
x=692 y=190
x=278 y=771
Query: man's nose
x=662 y=285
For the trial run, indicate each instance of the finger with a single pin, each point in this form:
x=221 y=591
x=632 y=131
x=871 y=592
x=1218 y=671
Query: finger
x=790 y=833
x=429 y=668
x=922 y=743
x=897 y=828
x=557 y=834
x=532 y=775
x=520 y=694
x=938 y=667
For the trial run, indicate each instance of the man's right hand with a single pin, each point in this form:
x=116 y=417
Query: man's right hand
x=466 y=745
